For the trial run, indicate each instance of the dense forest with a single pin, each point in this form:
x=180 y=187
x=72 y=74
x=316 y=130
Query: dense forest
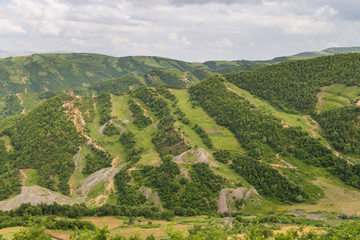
x=341 y=127
x=12 y=107
x=267 y=180
x=46 y=139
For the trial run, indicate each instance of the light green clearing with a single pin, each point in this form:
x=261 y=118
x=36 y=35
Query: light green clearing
x=78 y=177
x=2 y=101
x=7 y=143
x=337 y=95
x=96 y=191
x=191 y=138
x=32 y=177
x=30 y=100
x=8 y=233
x=220 y=136
x=143 y=136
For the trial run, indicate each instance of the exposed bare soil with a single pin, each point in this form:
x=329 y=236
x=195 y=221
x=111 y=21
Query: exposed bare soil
x=19 y=97
x=320 y=96
x=185 y=77
x=34 y=195
x=191 y=156
x=102 y=175
x=185 y=172
x=227 y=197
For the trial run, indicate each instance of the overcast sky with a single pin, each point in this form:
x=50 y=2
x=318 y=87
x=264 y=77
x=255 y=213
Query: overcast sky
x=182 y=29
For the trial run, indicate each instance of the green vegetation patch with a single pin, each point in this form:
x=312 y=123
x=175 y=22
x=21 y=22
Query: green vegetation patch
x=337 y=95
x=341 y=127
x=221 y=137
x=45 y=139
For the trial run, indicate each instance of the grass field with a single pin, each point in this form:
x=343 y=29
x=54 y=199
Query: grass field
x=120 y=225
x=8 y=233
x=30 y=100
x=338 y=198
x=32 y=177
x=220 y=136
x=77 y=177
x=121 y=110
x=337 y=95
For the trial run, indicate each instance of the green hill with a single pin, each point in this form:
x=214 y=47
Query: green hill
x=43 y=72
x=329 y=51
x=278 y=142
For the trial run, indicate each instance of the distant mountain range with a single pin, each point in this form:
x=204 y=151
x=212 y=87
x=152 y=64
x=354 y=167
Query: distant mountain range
x=56 y=71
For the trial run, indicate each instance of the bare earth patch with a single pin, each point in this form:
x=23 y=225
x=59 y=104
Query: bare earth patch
x=102 y=198
x=101 y=221
x=23 y=177
x=102 y=175
x=185 y=77
x=34 y=195
x=320 y=102
x=19 y=97
x=227 y=197
x=185 y=172
x=198 y=156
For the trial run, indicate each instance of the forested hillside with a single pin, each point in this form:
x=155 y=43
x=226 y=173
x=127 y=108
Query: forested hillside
x=292 y=86
x=267 y=145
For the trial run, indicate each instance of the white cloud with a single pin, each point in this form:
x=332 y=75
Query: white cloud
x=178 y=40
x=185 y=30
x=49 y=28
x=6 y=27
x=222 y=43
x=126 y=46
x=77 y=41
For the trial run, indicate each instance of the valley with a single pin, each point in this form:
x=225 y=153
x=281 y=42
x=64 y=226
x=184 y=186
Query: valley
x=162 y=146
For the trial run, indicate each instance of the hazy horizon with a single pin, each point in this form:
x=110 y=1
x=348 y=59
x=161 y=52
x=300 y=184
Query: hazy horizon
x=187 y=30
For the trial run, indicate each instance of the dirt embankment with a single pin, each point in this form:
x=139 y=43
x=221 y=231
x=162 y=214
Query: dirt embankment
x=286 y=164
x=152 y=197
x=185 y=77
x=198 y=156
x=102 y=175
x=320 y=103
x=114 y=122
x=228 y=196
x=34 y=195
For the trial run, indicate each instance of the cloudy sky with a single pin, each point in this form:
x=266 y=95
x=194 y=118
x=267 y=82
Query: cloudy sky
x=191 y=30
